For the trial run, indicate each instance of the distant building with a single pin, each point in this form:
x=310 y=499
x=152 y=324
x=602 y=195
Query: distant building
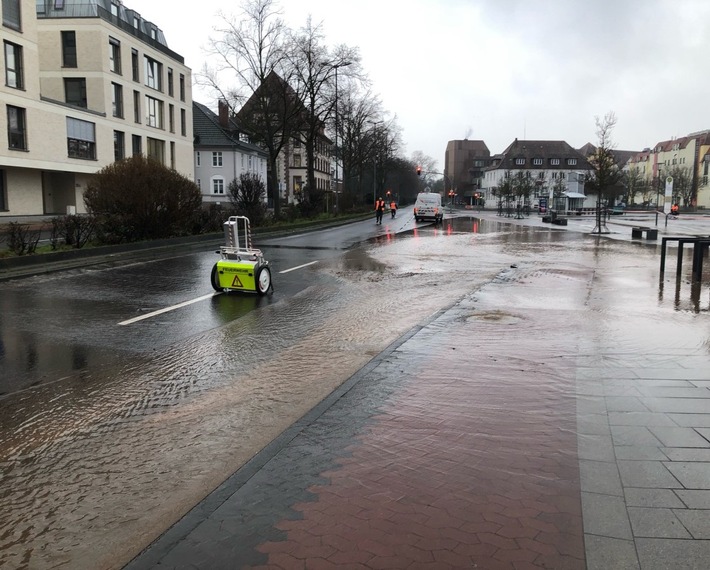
x=464 y=165
x=547 y=163
x=87 y=82
x=222 y=153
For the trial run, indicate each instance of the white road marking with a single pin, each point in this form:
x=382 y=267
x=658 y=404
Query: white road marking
x=299 y=267
x=166 y=309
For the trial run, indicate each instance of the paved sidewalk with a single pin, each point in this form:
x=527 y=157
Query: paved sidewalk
x=496 y=435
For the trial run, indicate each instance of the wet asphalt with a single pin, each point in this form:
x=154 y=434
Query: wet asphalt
x=447 y=450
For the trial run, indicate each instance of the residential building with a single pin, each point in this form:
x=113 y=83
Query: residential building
x=464 y=165
x=549 y=164
x=291 y=165
x=222 y=153
x=87 y=82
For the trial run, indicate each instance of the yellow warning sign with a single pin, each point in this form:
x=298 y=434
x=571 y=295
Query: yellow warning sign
x=237 y=282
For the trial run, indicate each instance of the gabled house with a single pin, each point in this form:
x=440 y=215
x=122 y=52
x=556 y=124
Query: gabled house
x=222 y=153
x=290 y=167
x=548 y=164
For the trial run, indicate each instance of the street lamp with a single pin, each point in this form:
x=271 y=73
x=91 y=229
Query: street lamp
x=335 y=67
x=374 y=162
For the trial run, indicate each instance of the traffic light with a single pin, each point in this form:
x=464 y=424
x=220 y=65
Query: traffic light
x=419 y=170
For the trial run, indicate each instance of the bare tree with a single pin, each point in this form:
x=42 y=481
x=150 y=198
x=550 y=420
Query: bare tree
x=634 y=184
x=251 y=48
x=605 y=177
x=682 y=185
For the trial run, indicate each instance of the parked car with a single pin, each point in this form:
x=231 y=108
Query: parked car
x=616 y=211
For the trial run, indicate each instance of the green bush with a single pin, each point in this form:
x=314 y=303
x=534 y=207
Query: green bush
x=141 y=199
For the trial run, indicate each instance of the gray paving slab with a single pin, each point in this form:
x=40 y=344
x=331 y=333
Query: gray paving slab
x=639 y=436
x=644 y=497
x=647 y=474
x=695 y=475
x=640 y=418
x=667 y=554
x=694 y=498
x=697 y=521
x=596 y=448
x=605 y=515
x=687 y=454
x=685 y=391
x=600 y=477
x=677 y=405
x=679 y=436
x=640 y=452
x=691 y=420
x=625 y=404
x=656 y=522
x=604 y=553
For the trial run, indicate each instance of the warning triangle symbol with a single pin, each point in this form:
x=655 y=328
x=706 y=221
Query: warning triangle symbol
x=237 y=282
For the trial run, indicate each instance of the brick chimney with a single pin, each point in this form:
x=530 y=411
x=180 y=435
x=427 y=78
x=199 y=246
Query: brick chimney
x=223 y=109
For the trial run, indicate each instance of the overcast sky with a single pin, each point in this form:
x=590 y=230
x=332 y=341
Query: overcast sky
x=495 y=70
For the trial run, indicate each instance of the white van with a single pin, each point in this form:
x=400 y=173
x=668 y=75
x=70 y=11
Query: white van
x=428 y=207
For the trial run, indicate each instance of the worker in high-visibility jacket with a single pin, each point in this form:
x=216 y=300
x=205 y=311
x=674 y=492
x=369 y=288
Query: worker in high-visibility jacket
x=379 y=209
x=393 y=208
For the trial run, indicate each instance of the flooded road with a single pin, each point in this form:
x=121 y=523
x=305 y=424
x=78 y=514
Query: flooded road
x=96 y=466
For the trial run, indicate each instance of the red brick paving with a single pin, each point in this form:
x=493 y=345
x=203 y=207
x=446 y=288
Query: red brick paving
x=461 y=469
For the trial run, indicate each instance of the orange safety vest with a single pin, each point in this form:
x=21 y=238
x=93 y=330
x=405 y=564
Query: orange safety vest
x=393 y=206
x=379 y=205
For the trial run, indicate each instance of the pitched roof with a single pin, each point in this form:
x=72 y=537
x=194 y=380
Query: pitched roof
x=545 y=150
x=621 y=157
x=209 y=133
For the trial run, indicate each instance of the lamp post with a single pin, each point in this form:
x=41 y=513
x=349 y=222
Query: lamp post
x=374 y=162
x=335 y=67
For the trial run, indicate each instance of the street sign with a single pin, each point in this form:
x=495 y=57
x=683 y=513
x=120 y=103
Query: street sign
x=668 y=195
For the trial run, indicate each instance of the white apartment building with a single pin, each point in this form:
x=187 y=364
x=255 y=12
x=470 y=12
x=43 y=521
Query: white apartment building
x=86 y=82
x=223 y=153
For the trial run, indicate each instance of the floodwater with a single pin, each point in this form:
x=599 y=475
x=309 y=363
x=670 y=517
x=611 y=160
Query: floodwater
x=97 y=466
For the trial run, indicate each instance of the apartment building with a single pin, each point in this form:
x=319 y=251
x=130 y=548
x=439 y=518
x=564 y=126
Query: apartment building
x=223 y=153
x=548 y=164
x=464 y=165
x=87 y=82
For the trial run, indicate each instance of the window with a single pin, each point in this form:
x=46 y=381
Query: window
x=81 y=139
x=170 y=81
x=537 y=162
x=16 y=128
x=154 y=112
x=519 y=161
x=297 y=161
x=114 y=55
x=119 y=145
x=3 y=199
x=117 y=100
x=11 y=14
x=554 y=161
x=197 y=158
x=571 y=161
x=172 y=155
x=59 y=4
x=13 y=66
x=183 y=122
x=135 y=65
x=114 y=10
x=156 y=149
x=75 y=91
x=68 y=49
x=199 y=183
x=137 y=145
x=216 y=159
x=153 y=73
x=171 y=118
x=218 y=185
x=137 y=107
x=182 y=87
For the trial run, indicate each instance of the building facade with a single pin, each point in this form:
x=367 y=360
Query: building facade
x=87 y=82
x=549 y=164
x=222 y=153
x=464 y=166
